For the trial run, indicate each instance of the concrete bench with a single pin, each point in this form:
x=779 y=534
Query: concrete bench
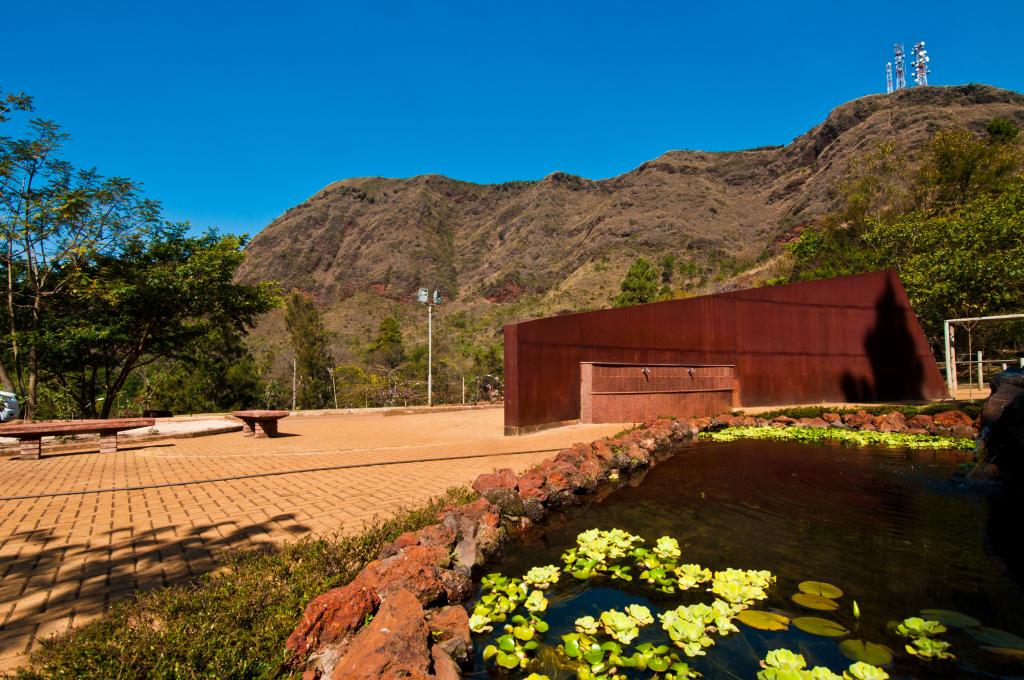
x=31 y=434
x=259 y=423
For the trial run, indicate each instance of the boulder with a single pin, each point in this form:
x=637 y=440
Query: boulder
x=859 y=419
x=478 y=527
x=508 y=501
x=415 y=569
x=955 y=424
x=330 y=618
x=449 y=627
x=394 y=645
x=444 y=667
x=891 y=422
x=832 y=418
x=811 y=422
x=500 y=479
x=1002 y=421
x=922 y=422
x=783 y=421
x=532 y=487
x=458 y=584
x=433 y=535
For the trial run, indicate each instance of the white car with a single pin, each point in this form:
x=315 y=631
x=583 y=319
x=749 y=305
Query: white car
x=11 y=408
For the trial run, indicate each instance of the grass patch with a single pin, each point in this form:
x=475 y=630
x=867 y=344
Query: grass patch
x=231 y=623
x=972 y=409
x=850 y=437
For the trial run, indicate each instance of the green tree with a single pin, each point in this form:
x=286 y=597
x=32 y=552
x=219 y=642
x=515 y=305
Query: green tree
x=387 y=349
x=640 y=285
x=54 y=221
x=959 y=166
x=163 y=296
x=310 y=341
x=969 y=263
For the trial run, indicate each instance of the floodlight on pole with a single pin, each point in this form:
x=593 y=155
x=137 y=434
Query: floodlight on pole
x=429 y=299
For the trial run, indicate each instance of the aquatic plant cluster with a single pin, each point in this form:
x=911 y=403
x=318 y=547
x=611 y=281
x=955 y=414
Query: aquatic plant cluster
x=850 y=437
x=601 y=646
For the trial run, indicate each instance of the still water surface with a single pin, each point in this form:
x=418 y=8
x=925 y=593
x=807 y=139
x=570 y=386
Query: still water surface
x=889 y=527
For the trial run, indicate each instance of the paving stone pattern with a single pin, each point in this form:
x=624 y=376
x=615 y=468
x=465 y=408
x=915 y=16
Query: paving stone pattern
x=71 y=547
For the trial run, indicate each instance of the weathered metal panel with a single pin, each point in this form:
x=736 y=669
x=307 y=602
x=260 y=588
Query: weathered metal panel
x=847 y=339
x=619 y=393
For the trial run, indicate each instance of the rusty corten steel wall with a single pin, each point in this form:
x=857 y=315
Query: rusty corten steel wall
x=853 y=338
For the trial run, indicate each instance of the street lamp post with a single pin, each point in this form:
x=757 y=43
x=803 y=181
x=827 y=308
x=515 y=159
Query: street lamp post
x=430 y=299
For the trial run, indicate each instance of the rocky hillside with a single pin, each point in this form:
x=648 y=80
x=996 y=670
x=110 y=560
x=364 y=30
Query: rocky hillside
x=386 y=237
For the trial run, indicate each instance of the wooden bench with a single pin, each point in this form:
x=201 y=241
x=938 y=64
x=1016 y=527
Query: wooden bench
x=31 y=434
x=259 y=423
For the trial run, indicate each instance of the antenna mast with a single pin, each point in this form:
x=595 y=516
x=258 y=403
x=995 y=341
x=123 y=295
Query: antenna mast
x=920 y=64
x=901 y=76
x=888 y=78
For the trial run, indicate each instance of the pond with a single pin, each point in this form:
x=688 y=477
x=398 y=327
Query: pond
x=890 y=528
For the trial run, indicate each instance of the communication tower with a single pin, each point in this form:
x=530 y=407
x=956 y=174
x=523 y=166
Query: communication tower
x=901 y=76
x=920 y=64
x=888 y=78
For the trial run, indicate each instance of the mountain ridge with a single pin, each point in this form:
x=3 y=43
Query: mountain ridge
x=717 y=210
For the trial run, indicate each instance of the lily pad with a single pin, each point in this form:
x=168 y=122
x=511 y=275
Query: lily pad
x=820 y=588
x=817 y=602
x=993 y=637
x=951 y=618
x=763 y=620
x=868 y=652
x=818 y=626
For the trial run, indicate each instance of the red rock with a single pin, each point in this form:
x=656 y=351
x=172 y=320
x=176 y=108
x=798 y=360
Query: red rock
x=394 y=645
x=891 y=422
x=432 y=536
x=916 y=430
x=415 y=569
x=458 y=586
x=444 y=667
x=478 y=526
x=450 y=629
x=784 y=421
x=309 y=674
x=858 y=419
x=924 y=422
x=726 y=420
x=811 y=422
x=531 y=486
x=603 y=450
x=500 y=479
x=949 y=419
x=868 y=427
x=331 y=617
x=701 y=424
x=831 y=418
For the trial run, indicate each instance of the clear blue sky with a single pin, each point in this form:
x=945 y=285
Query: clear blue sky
x=230 y=113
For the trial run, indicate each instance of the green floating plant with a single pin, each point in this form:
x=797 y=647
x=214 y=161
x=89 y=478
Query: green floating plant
x=740 y=586
x=922 y=634
x=542 y=577
x=515 y=648
x=597 y=550
x=501 y=596
x=850 y=437
x=782 y=664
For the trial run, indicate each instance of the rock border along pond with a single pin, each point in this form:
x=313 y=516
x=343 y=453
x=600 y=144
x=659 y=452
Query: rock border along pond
x=402 y=616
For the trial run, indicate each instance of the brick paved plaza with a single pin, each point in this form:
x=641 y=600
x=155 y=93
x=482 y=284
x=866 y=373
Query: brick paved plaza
x=81 y=531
